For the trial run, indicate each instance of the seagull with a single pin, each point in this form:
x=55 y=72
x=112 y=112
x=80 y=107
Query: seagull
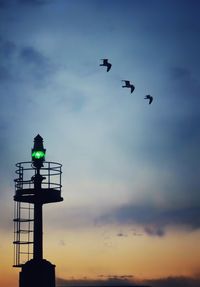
x=106 y=64
x=128 y=85
x=150 y=98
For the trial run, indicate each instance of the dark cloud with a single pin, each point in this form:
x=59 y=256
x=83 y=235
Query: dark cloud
x=175 y=282
x=34 y=2
x=115 y=276
x=111 y=280
x=154 y=231
x=35 y=65
x=154 y=220
x=131 y=281
x=31 y=56
x=137 y=234
x=26 y=63
x=120 y=234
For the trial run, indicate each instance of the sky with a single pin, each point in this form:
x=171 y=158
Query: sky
x=131 y=189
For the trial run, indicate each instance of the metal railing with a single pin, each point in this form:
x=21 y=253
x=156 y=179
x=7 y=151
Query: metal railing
x=24 y=211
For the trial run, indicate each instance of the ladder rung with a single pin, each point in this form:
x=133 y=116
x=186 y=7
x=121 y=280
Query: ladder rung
x=26 y=252
x=31 y=208
x=23 y=231
x=22 y=220
x=18 y=265
x=22 y=242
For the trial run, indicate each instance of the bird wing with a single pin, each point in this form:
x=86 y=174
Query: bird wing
x=150 y=100
x=109 y=67
x=132 y=88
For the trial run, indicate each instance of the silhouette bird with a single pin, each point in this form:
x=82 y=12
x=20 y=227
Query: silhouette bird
x=106 y=64
x=150 y=98
x=127 y=84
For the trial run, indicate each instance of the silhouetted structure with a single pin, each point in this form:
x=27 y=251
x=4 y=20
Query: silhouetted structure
x=38 y=183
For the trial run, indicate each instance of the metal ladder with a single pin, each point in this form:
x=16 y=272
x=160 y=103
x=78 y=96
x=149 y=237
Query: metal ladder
x=23 y=227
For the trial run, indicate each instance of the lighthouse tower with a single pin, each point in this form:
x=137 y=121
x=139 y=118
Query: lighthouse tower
x=38 y=182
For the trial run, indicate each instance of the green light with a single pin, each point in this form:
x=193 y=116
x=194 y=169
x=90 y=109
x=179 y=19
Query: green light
x=38 y=154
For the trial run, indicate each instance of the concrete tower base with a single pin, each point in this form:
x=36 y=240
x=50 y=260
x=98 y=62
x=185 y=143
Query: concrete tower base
x=40 y=273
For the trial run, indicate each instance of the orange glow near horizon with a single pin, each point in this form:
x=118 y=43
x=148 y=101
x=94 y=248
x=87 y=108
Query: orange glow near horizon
x=8 y=274
x=86 y=254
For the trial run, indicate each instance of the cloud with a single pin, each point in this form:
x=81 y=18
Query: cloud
x=154 y=231
x=129 y=280
x=35 y=66
x=112 y=280
x=32 y=56
x=175 y=282
x=34 y=2
x=24 y=63
x=120 y=234
x=154 y=220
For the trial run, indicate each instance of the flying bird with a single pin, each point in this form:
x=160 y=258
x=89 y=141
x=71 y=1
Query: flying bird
x=127 y=84
x=150 y=98
x=106 y=64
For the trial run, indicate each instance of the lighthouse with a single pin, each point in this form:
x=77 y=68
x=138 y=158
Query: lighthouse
x=38 y=182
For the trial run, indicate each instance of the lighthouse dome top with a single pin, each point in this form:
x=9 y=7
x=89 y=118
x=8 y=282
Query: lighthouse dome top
x=38 y=138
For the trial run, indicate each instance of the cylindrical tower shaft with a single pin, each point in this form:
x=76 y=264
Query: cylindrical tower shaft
x=38 y=242
x=38 y=234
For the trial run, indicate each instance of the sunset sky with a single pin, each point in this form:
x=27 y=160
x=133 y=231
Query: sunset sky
x=131 y=171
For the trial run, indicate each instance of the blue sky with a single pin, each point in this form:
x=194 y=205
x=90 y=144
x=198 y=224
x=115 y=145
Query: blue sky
x=124 y=162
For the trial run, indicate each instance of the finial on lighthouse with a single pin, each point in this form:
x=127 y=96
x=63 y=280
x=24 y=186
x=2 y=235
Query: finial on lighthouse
x=38 y=152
